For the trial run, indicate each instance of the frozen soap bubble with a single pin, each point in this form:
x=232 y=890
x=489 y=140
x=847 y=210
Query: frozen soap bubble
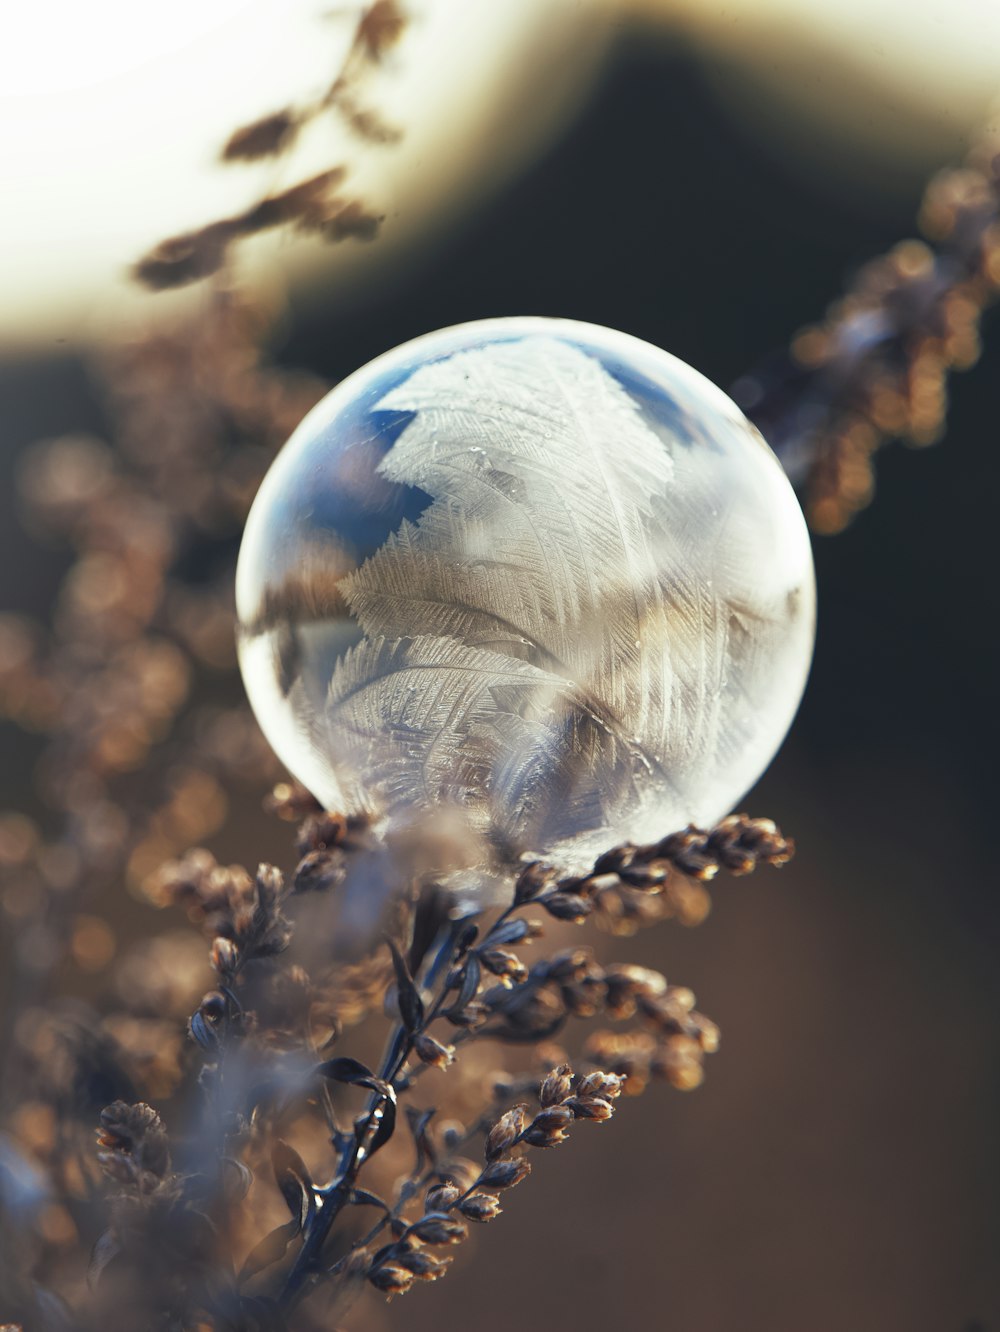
x=531 y=577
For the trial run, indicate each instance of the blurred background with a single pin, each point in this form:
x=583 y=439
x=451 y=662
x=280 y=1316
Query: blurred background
x=705 y=177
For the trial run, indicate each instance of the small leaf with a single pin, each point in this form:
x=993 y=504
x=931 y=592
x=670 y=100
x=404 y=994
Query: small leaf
x=355 y=1074
x=419 y=1122
x=106 y=1248
x=262 y=138
x=362 y=1198
x=294 y=1181
x=411 y=1006
x=237 y=1178
x=202 y=1032
x=269 y=1250
x=53 y=1312
x=510 y=932
x=467 y=937
x=470 y=983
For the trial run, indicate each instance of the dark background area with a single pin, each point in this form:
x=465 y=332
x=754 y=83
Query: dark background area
x=840 y=1167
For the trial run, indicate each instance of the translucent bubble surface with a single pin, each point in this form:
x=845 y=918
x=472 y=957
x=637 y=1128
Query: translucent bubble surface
x=529 y=577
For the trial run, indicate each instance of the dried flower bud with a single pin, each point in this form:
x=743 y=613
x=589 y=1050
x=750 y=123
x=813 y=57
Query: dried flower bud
x=225 y=955
x=567 y=906
x=555 y=1117
x=626 y=981
x=463 y=1172
x=262 y=138
x=434 y=1229
x=423 y=1266
x=530 y=882
x=452 y=1134
x=430 y=1051
x=557 y=1086
x=645 y=876
x=605 y=1085
x=212 y=1006
x=571 y=964
x=591 y=1107
x=544 y=1138
x=708 y=1033
x=504 y=964
x=504 y=1133
x=678 y=1060
x=270 y=881
x=504 y=1174
x=681 y=996
x=137 y=1143
x=472 y=1015
x=441 y=1197
x=391 y=1279
x=319 y=871
x=480 y=1207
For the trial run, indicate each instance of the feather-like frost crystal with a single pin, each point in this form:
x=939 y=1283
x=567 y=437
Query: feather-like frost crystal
x=534 y=577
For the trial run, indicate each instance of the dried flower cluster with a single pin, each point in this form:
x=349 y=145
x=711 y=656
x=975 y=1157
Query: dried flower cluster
x=183 y=1234
x=318 y=205
x=876 y=368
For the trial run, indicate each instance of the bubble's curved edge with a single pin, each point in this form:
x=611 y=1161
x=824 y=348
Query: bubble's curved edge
x=601 y=341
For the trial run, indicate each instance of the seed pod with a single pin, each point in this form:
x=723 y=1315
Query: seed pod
x=503 y=963
x=434 y=1229
x=480 y=1207
x=504 y=1174
x=591 y=1107
x=557 y=1086
x=504 y=1132
x=681 y=996
x=212 y=1006
x=225 y=955
x=708 y=1033
x=605 y=1085
x=391 y=1279
x=572 y=964
x=540 y=1137
x=566 y=906
x=441 y=1197
x=530 y=882
x=555 y=1117
x=430 y=1051
x=423 y=1266
x=472 y=1015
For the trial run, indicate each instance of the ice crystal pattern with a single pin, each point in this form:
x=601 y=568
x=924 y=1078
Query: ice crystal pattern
x=583 y=606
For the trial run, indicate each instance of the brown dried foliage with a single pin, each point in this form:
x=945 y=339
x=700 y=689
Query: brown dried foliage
x=317 y=205
x=876 y=368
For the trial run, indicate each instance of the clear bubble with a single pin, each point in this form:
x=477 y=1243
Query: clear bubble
x=529 y=578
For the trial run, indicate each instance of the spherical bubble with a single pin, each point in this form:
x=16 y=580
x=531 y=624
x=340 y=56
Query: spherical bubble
x=531 y=578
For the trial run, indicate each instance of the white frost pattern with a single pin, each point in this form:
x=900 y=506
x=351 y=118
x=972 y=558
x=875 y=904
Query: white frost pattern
x=525 y=655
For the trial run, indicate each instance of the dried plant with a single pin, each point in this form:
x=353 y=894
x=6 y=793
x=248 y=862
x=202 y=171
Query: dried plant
x=280 y=1175
x=317 y=205
x=876 y=368
x=182 y=1245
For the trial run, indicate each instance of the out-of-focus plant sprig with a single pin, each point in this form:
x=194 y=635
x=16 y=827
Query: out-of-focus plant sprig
x=876 y=367
x=265 y=1076
x=317 y=205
